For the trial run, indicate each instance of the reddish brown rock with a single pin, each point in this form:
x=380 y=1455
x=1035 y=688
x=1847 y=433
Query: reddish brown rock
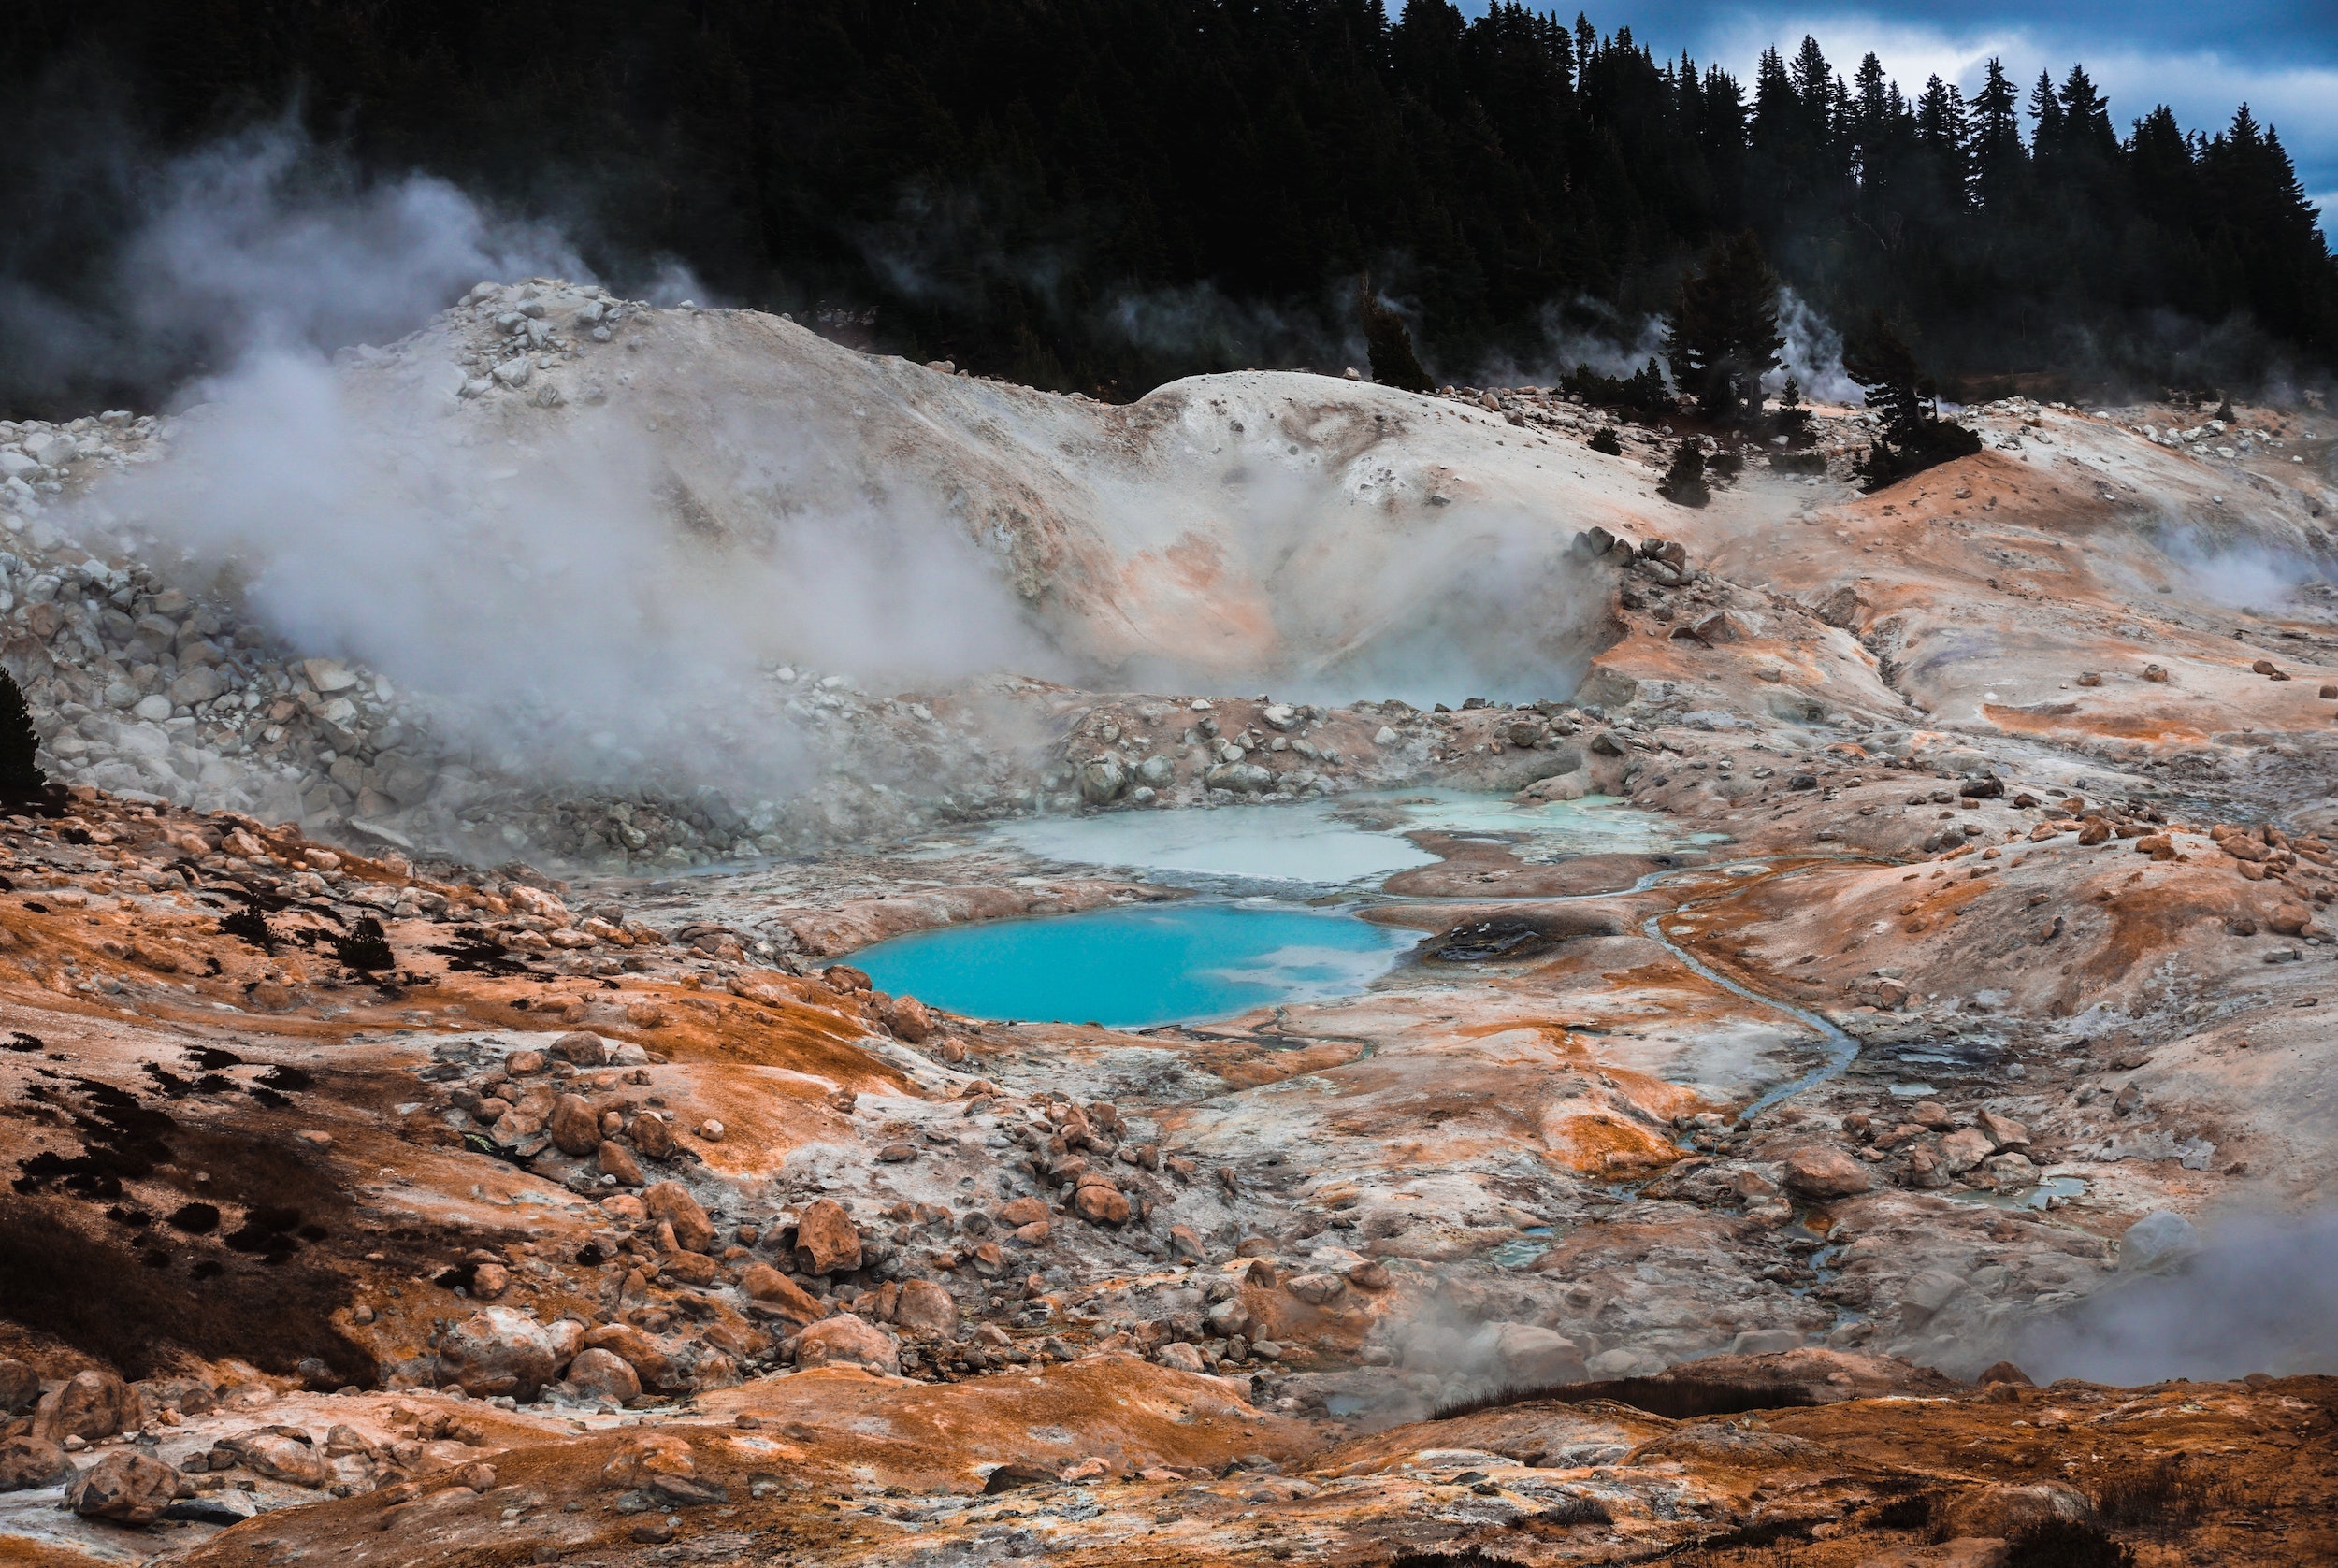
x=1021 y=1210
x=764 y=1284
x=604 y=1374
x=847 y=1341
x=583 y=1049
x=644 y=1459
x=827 y=1242
x=575 y=1126
x=281 y=1454
x=20 y=1387
x=500 y=1351
x=689 y=1268
x=638 y=1350
x=2000 y=1510
x=924 y=1307
x=671 y=1202
x=909 y=1019
x=125 y=1487
x=1816 y=1170
x=27 y=1462
x=615 y=1160
x=2004 y=1131
x=653 y=1135
x=1097 y=1198
x=92 y=1404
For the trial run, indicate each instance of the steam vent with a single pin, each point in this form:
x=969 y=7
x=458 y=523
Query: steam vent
x=642 y=923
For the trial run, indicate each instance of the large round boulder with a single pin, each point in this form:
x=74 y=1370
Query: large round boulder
x=127 y=1486
x=575 y=1126
x=27 y=1462
x=500 y=1350
x=1816 y=1170
x=604 y=1374
x=92 y=1404
x=827 y=1241
x=925 y=1308
x=844 y=1340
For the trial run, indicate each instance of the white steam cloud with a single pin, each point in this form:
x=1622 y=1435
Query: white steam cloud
x=2260 y=1294
x=1812 y=355
x=569 y=606
x=1583 y=331
x=1590 y=332
x=260 y=244
x=2251 y=574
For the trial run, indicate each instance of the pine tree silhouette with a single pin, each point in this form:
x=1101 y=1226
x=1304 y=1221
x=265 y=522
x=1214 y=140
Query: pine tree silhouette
x=1723 y=334
x=21 y=775
x=1914 y=438
x=1684 y=483
x=1389 y=343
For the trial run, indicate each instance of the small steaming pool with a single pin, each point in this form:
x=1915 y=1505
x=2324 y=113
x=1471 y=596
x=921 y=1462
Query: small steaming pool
x=1356 y=841
x=1132 y=967
x=1247 y=942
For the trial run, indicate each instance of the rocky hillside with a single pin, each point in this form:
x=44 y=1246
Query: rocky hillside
x=464 y=1182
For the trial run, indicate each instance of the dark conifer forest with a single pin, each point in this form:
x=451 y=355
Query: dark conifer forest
x=1102 y=194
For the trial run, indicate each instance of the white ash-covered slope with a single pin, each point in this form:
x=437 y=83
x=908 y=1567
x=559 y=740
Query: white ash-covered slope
x=567 y=561
x=1230 y=525
x=555 y=537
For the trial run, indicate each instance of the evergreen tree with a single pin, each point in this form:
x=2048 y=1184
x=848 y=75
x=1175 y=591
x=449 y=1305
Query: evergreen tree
x=1792 y=420
x=21 y=776
x=1723 y=337
x=1914 y=438
x=2045 y=108
x=1994 y=150
x=1684 y=483
x=1389 y=343
x=1009 y=182
x=1942 y=136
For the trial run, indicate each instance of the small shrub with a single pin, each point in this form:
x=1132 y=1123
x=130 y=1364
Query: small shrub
x=1765 y=1533
x=1906 y=1513
x=1642 y=392
x=1577 y=1508
x=2164 y=1498
x=248 y=925
x=1604 y=441
x=2066 y=1544
x=364 y=948
x=1792 y=420
x=1684 y=483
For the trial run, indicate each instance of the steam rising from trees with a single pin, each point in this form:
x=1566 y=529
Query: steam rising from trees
x=1103 y=197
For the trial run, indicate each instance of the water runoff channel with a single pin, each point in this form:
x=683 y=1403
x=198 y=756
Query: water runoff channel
x=1272 y=917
